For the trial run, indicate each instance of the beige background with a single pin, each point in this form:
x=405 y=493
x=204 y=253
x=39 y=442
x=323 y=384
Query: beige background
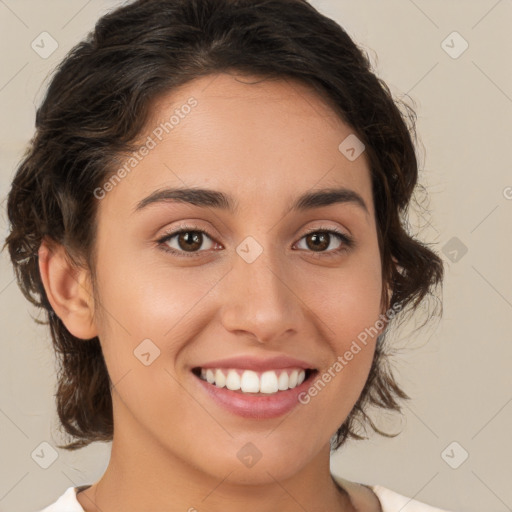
x=457 y=371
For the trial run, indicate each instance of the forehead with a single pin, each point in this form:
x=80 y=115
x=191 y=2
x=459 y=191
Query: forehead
x=257 y=139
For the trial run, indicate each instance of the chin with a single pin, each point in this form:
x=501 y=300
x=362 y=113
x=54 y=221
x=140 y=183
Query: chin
x=258 y=461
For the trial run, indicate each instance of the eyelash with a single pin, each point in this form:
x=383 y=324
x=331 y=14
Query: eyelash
x=347 y=241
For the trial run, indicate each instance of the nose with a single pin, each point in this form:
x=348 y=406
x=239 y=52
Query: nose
x=260 y=299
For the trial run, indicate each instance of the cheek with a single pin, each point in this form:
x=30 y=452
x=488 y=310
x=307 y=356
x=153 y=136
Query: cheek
x=349 y=306
x=149 y=298
x=149 y=307
x=347 y=299
x=150 y=314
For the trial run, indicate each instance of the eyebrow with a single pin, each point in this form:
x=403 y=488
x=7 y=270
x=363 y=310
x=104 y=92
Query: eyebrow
x=215 y=199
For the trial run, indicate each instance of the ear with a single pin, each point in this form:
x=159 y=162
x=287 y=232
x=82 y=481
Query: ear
x=69 y=290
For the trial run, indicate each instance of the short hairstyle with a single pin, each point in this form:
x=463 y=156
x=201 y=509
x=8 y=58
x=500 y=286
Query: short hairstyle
x=98 y=103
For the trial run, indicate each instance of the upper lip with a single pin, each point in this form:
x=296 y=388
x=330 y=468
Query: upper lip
x=258 y=364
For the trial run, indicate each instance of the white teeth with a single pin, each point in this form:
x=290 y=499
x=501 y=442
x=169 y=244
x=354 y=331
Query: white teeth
x=233 y=380
x=248 y=381
x=282 y=382
x=220 y=380
x=268 y=382
x=293 y=379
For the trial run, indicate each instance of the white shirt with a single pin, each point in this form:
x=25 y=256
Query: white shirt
x=390 y=502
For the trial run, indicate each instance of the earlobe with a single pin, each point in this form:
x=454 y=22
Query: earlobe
x=68 y=290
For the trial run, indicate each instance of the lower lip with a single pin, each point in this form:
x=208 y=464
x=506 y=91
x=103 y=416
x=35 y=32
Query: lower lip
x=256 y=406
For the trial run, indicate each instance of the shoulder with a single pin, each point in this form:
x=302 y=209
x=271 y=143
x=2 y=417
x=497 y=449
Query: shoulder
x=361 y=496
x=66 y=503
x=392 y=501
x=366 y=497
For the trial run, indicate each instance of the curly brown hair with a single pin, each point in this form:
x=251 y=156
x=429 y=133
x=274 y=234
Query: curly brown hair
x=98 y=102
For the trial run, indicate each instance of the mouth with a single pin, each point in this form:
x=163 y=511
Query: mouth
x=254 y=393
x=254 y=382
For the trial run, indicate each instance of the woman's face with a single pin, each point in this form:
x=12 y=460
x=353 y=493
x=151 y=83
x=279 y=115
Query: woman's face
x=266 y=291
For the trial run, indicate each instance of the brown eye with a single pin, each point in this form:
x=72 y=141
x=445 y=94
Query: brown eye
x=320 y=241
x=187 y=242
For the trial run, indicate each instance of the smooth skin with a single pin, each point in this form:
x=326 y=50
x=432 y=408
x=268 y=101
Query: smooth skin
x=265 y=143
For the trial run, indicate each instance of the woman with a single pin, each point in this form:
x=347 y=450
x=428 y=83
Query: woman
x=210 y=212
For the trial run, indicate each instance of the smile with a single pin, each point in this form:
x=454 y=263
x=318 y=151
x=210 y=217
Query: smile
x=249 y=381
x=255 y=389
